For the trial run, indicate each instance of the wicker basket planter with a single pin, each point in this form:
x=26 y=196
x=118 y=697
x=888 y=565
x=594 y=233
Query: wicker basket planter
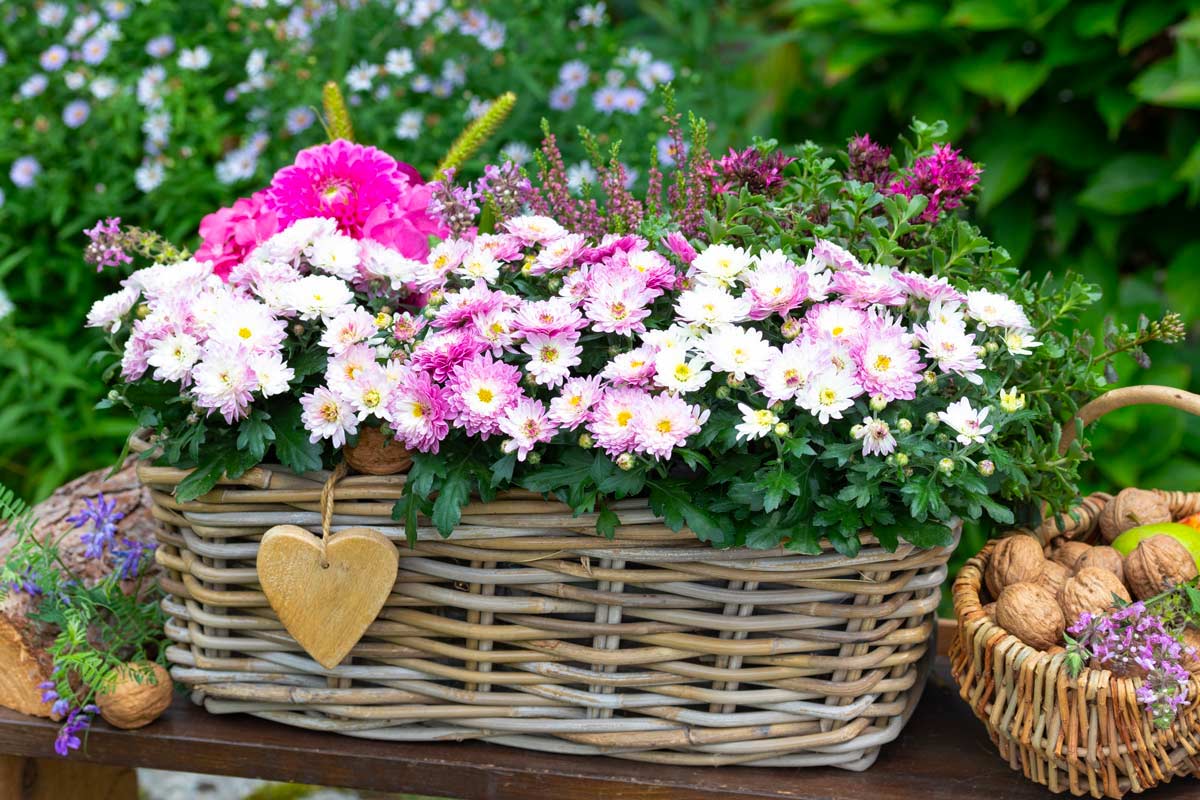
x=1088 y=734
x=527 y=629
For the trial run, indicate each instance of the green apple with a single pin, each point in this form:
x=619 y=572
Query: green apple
x=1186 y=535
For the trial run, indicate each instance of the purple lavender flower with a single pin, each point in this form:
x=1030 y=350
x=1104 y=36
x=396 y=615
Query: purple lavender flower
x=761 y=174
x=107 y=246
x=103 y=517
x=77 y=722
x=130 y=557
x=869 y=162
x=944 y=177
x=25 y=583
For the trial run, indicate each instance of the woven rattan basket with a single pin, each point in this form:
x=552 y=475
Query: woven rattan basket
x=1089 y=734
x=527 y=629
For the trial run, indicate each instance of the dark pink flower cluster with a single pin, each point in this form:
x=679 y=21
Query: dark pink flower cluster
x=750 y=168
x=869 y=162
x=944 y=176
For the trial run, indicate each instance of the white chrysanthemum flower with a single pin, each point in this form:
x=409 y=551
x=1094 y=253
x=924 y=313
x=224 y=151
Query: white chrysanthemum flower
x=828 y=394
x=994 y=309
x=756 y=422
x=480 y=265
x=336 y=254
x=674 y=371
x=107 y=312
x=711 y=306
x=288 y=245
x=164 y=279
x=173 y=357
x=1011 y=401
x=738 y=351
x=967 y=422
x=348 y=327
x=316 y=296
x=535 y=229
x=247 y=324
x=1019 y=342
x=720 y=265
x=273 y=373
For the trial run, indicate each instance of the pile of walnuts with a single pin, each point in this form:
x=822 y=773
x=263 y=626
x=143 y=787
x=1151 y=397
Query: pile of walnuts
x=1039 y=593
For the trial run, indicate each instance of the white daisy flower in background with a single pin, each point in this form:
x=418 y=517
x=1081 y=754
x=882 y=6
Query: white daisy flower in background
x=409 y=125
x=994 y=309
x=828 y=394
x=1020 y=342
x=738 y=351
x=194 y=58
x=6 y=304
x=399 y=63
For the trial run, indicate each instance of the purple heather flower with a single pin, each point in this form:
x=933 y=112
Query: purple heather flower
x=945 y=177
x=25 y=584
x=103 y=517
x=869 y=162
x=761 y=174
x=106 y=248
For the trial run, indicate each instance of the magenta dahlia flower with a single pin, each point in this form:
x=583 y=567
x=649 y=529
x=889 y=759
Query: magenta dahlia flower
x=369 y=193
x=231 y=233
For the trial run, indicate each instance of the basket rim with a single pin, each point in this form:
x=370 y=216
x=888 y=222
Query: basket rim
x=973 y=623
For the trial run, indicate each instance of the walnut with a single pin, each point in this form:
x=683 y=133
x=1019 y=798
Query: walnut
x=130 y=704
x=1031 y=613
x=377 y=454
x=1053 y=576
x=1090 y=590
x=1131 y=508
x=1157 y=564
x=1068 y=552
x=1015 y=559
x=1103 y=557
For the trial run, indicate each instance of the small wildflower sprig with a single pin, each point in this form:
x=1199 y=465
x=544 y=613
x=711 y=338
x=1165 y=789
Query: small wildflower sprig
x=1142 y=640
x=99 y=627
x=111 y=245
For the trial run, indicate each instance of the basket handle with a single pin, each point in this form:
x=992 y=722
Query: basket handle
x=1130 y=396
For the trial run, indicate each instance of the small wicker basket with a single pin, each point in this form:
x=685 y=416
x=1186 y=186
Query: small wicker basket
x=526 y=629
x=1088 y=734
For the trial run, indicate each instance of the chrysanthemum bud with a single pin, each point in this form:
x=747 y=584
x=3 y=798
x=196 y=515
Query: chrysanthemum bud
x=554 y=283
x=791 y=328
x=946 y=465
x=143 y=311
x=782 y=429
x=901 y=459
x=586 y=441
x=930 y=377
x=992 y=347
x=987 y=467
x=904 y=424
x=857 y=431
x=878 y=402
x=723 y=393
x=383 y=319
x=534 y=457
x=890 y=460
x=298 y=329
x=733 y=382
x=931 y=418
x=626 y=461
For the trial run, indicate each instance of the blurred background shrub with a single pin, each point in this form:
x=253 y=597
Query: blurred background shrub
x=1083 y=113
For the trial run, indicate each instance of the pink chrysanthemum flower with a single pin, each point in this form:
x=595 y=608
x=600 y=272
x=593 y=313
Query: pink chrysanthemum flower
x=363 y=188
x=441 y=352
x=665 y=422
x=526 y=424
x=678 y=244
x=230 y=234
x=343 y=370
x=834 y=321
x=406 y=326
x=573 y=406
x=632 y=368
x=348 y=328
x=657 y=273
x=775 y=286
x=872 y=285
x=612 y=419
x=887 y=363
x=534 y=229
x=551 y=357
x=558 y=254
x=327 y=416
x=461 y=307
x=224 y=381
x=548 y=317
x=496 y=330
x=789 y=370
x=876 y=436
x=370 y=393
x=833 y=256
x=479 y=391
x=419 y=413
x=967 y=422
x=924 y=287
x=951 y=346
x=618 y=303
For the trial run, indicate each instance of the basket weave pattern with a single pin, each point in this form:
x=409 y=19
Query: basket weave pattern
x=1087 y=735
x=527 y=629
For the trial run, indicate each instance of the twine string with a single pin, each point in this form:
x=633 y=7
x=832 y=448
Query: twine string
x=327 y=498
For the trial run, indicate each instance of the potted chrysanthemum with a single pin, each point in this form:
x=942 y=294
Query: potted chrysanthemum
x=702 y=450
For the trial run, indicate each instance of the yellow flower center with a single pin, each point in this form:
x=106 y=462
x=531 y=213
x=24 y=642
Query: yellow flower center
x=883 y=363
x=418 y=410
x=838 y=330
x=245 y=332
x=548 y=354
x=623 y=418
x=682 y=372
x=329 y=412
x=663 y=426
x=827 y=396
x=371 y=398
x=485 y=395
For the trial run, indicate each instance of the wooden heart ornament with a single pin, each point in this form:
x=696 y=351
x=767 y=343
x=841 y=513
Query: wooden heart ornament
x=326 y=600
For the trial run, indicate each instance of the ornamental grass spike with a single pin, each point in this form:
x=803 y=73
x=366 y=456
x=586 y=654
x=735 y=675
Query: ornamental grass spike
x=336 y=115
x=475 y=134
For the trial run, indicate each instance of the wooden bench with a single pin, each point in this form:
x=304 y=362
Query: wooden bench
x=943 y=754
